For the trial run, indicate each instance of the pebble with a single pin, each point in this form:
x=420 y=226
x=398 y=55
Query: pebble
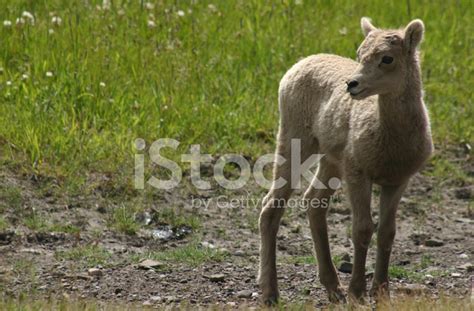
x=346 y=257
x=239 y=253
x=456 y=275
x=463 y=256
x=94 y=272
x=244 y=294
x=148 y=264
x=216 y=277
x=467 y=266
x=207 y=245
x=434 y=243
x=345 y=267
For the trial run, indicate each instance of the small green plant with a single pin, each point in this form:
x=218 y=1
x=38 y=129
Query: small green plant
x=3 y=224
x=36 y=222
x=302 y=260
x=123 y=220
x=404 y=273
x=192 y=254
x=426 y=261
x=10 y=197
x=176 y=217
x=85 y=255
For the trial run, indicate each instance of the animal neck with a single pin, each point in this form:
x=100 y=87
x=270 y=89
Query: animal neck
x=404 y=107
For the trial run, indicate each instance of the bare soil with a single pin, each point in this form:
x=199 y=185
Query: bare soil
x=432 y=254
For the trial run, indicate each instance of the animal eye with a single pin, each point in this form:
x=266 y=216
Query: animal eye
x=387 y=59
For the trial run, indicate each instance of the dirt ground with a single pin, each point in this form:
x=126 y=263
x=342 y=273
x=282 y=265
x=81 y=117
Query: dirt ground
x=432 y=254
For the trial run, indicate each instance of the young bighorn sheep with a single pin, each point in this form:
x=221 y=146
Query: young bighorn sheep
x=369 y=119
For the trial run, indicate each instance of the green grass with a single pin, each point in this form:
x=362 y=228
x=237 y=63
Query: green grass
x=74 y=97
x=39 y=222
x=3 y=223
x=86 y=256
x=123 y=220
x=10 y=197
x=191 y=254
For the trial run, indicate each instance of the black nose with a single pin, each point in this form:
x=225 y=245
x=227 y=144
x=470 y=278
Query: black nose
x=352 y=84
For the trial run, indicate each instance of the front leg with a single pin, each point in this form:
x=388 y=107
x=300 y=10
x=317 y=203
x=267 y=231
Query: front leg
x=389 y=199
x=360 y=190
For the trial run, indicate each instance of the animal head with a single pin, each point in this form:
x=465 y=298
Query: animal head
x=385 y=57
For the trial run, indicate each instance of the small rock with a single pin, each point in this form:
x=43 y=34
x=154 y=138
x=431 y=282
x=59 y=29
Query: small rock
x=467 y=266
x=170 y=299
x=346 y=257
x=463 y=256
x=463 y=193
x=296 y=229
x=434 y=243
x=155 y=298
x=456 y=275
x=254 y=295
x=207 y=245
x=418 y=238
x=345 y=267
x=244 y=294
x=94 y=272
x=216 y=277
x=147 y=303
x=239 y=253
x=148 y=264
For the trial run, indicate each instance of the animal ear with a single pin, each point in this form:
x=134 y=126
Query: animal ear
x=414 y=34
x=366 y=25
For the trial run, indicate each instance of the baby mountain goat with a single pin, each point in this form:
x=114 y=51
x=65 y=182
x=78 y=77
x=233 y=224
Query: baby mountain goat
x=369 y=119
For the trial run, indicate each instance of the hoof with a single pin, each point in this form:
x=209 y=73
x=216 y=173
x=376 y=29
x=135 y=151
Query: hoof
x=380 y=291
x=337 y=296
x=356 y=295
x=270 y=300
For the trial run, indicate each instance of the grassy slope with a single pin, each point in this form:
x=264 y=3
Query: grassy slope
x=207 y=77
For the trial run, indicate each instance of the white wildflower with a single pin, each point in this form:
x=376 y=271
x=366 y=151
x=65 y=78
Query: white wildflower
x=102 y=84
x=49 y=74
x=212 y=7
x=24 y=76
x=56 y=21
x=151 y=24
x=106 y=5
x=9 y=83
x=7 y=23
x=298 y=2
x=181 y=13
x=20 y=21
x=165 y=107
x=121 y=12
x=51 y=31
x=29 y=17
x=149 y=6
x=343 y=31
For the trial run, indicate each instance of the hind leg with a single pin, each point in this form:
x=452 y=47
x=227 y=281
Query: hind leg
x=317 y=201
x=269 y=222
x=272 y=211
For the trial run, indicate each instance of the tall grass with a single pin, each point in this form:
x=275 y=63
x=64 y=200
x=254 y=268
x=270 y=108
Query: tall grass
x=74 y=96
